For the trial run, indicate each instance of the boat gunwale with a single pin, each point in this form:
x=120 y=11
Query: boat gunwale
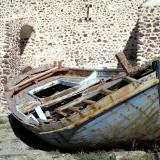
x=25 y=75
x=152 y=81
x=137 y=90
x=25 y=83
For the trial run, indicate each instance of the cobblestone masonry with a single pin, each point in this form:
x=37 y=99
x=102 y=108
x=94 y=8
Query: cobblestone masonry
x=61 y=32
x=149 y=34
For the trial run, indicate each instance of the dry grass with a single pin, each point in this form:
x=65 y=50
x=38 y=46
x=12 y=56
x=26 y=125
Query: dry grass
x=98 y=155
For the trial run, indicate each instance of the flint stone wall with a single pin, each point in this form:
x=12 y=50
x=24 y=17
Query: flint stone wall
x=149 y=34
x=88 y=44
x=62 y=33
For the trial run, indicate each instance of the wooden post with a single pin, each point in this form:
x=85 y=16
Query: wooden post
x=87 y=18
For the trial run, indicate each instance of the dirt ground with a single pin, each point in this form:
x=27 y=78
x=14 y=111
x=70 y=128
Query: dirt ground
x=15 y=148
x=17 y=143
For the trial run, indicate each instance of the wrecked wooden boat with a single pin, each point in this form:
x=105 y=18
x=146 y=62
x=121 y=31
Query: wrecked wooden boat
x=75 y=109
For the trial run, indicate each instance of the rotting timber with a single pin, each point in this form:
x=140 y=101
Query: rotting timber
x=76 y=108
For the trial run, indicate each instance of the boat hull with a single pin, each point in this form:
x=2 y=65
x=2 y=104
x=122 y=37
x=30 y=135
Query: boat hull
x=135 y=119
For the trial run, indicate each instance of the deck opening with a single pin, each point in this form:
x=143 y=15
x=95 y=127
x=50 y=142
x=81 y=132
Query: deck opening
x=52 y=108
x=51 y=90
x=97 y=97
x=119 y=85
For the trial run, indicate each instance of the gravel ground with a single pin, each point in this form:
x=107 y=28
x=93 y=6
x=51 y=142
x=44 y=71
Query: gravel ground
x=17 y=143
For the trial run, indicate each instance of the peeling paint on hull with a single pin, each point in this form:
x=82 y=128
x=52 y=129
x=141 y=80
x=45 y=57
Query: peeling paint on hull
x=127 y=112
x=135 y=119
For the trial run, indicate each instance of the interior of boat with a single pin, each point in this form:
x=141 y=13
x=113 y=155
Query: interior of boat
x=75 y=94
x=78 y=105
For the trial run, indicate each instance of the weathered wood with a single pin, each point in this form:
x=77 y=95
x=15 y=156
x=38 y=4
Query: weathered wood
x=58 y=97
x=16 y=88
x=94 y=87
x=106 y=91
x=61 y=113
x=120 y=75
x=40 y=113
x=74 y=109
x=103 y=118
x=124 y=62
x=89 y=94
x=88 y=101
x=24 y=76
x=130 y=79
x=16 y=112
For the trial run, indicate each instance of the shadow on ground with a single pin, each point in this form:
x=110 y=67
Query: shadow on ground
x=28 y=137
x=35 y=142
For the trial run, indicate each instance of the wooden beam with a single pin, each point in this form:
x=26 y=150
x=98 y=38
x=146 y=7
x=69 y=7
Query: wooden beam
x=88 y=101
x=61 y=113
x=89 y=94
x=130 y=79
x=58 y=97
x=28 y=81
x=74 y=109
x=106 y=91
x=124 y=63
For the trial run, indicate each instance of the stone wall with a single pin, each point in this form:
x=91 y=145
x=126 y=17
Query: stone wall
x=11 y=13
x=149 y=34
x=61 y=32
x=87 y=44
x=19 y=57
x=11 y=9
x=2 y=49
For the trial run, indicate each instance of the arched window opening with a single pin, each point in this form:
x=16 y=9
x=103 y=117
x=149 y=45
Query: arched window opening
x=25 y=34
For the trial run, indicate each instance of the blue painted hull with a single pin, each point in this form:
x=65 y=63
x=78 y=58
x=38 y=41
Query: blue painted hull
x=136 y=118
x=127 y=112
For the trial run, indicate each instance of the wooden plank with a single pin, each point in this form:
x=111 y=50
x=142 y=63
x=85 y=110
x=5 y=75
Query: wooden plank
x=124 y=62
x=16 y=112
x=119 y=75
x=61 y=113
x=74 y=109
x=94 y=87
x=16 y=88
x=106 y=91
x=89 y=94
x=88 y=101
x=130 y=79
x=34 y=118
x=40 y=113
x=58 y=97
x=24 y=76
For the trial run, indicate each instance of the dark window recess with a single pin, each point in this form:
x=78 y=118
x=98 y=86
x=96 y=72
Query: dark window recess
x=25 y=34
x=51 y=90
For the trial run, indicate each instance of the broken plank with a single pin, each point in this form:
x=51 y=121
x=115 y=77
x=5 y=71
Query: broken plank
x=40 y=113
x=89 y=94
x=124 y=62
x=58 y=97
